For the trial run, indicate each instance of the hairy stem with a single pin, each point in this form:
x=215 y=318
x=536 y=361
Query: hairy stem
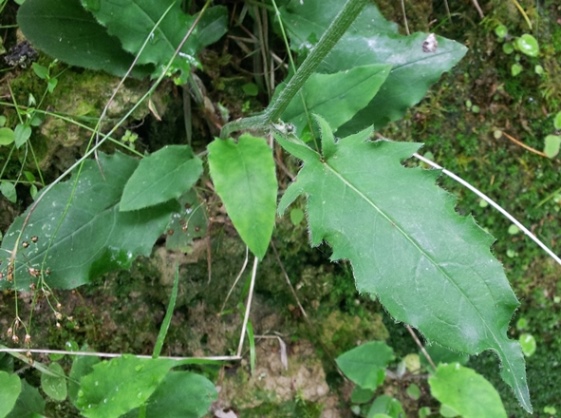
x=338 y=27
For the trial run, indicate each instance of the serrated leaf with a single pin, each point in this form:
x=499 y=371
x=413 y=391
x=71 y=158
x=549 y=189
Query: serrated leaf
x=69 y=242
x=55 y=386
x=244 y=177
x=132 y=22
x=466 y=392
x=10 y=388
x=120 y=385
x=336 y=97
x=373 y=40
x=164 y=175
x=365 y=365
x=180 y=395
x=430 y=267
x=64 y=30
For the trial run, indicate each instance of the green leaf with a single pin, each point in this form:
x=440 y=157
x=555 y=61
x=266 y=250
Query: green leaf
x=552 y=143
x=440 y=354
x=465 y=391
x=132 y=22
x=515 y=69
x=76 y=232
x=188 y=224
x=413 y=391
x=64 y=30
x=528 y=344
x=508 y=48
x=21 y=134
x=181 y=395
x=40 y=71
x=81 y=366
x=528 y=45
x=365 y=364
x=30 y=403
x=373 y=40
x=430 y=267
x=55 y=386
x=7 y=136
x=244 y=177
x=120 y=385
x=164 y=175
x=360 y=395
x=501 y=31
x=8 y=190
x=386 y=406
x=10 y=388
x=557 y=121
x=336 y=97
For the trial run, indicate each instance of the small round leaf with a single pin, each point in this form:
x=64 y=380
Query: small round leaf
x=528 y=344
x=501 y=31
x=551 y=145
x=528 y=45
x=515 y=69
x=6 y=136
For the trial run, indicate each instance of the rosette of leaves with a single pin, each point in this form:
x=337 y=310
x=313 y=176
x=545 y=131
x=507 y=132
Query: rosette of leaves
x=108 y=35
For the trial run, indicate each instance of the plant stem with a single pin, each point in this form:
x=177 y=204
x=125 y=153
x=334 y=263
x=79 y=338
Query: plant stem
x=336 y=29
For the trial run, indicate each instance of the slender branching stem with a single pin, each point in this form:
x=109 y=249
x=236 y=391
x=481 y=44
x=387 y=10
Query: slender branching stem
x=336 y=29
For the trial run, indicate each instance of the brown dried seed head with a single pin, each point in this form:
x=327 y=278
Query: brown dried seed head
x=27 y=339
x=58 y=305
x=10 y=332
x=34 y=272
x=58 y=316
x=58 y=324
x=15 y=338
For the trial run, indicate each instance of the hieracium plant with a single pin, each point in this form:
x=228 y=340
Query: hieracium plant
x=430 y=267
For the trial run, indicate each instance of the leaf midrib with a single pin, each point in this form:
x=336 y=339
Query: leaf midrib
x=417 y=246
x=497 y=341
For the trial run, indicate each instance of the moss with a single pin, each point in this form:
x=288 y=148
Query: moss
x=341 y=332
x=296 y=408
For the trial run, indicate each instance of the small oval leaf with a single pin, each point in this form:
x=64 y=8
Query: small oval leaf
x=551 y=145
x=55 y=385
x=6 y=136
x=528 y=45
x=557 y=121
x=466 y=392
